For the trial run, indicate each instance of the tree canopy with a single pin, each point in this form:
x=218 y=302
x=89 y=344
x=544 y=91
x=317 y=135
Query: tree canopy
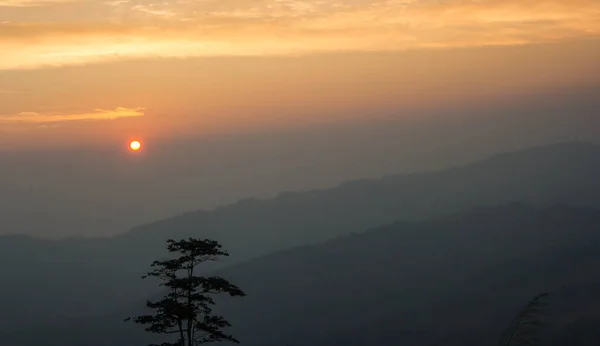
x=186 y=310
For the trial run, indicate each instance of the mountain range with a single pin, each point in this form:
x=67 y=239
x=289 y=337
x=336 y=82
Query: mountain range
x=453 y=280
x=45 y=281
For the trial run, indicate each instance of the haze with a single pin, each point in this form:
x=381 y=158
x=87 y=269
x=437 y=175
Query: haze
x=361 y=172
x=239 y=99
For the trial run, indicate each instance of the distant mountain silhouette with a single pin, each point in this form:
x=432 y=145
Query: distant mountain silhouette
x=455 y=280
x=69 y=272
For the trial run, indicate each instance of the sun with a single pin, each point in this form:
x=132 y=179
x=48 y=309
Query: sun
x=135 y=145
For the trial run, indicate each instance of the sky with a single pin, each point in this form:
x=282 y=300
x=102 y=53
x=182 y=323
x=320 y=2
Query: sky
x=86 y=72
x=243 y=98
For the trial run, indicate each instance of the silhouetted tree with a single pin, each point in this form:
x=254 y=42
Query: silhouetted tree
x=525 y=326
x=186 y=310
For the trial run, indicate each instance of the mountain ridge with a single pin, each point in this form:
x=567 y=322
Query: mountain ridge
x=109 y=267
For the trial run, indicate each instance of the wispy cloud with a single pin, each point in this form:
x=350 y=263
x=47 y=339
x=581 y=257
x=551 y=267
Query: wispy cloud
x=48 y=118
x=33 y=3
x=154 y=10
x=186 y=28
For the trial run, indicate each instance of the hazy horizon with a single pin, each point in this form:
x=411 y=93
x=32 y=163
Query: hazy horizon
x=234 y=100
x=106 y=191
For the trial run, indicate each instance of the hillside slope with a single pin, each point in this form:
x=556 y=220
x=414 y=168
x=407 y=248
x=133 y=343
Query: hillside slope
x=455 y=280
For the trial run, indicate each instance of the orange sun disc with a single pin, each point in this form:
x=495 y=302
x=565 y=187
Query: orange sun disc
x=135 y=145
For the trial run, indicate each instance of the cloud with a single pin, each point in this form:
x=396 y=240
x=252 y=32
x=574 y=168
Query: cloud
x=49 y=118
x=186 y=28
x=33 y=3
x=153 y=10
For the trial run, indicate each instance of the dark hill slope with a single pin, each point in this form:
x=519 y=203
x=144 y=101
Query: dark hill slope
x=455 y=280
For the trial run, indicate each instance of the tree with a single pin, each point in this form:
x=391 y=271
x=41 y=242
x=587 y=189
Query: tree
x=186 y=310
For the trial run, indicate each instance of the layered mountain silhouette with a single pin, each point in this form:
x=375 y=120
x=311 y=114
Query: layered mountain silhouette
x=44 y=280
x=454 y=280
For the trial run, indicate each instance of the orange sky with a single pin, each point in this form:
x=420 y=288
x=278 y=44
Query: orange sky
x=79 y=72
